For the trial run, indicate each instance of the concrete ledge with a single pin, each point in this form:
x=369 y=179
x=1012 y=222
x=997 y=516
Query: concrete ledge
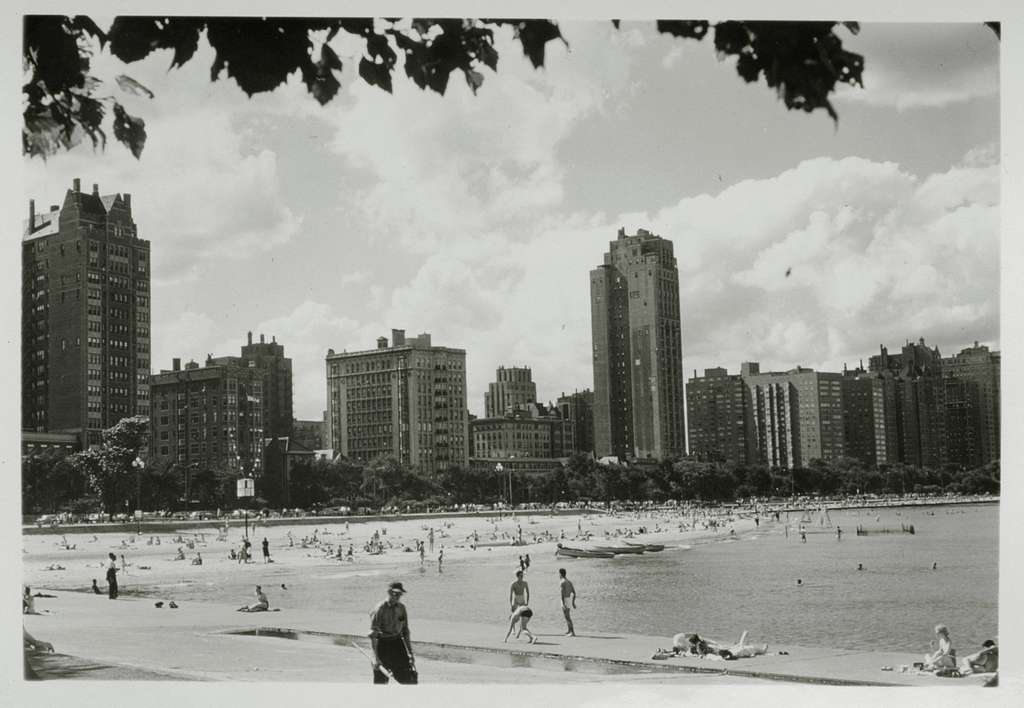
x=201 y=641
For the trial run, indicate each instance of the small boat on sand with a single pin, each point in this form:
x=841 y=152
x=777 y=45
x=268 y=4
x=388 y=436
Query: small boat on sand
x=648 y=547
x=566 y=552
x=618 y=549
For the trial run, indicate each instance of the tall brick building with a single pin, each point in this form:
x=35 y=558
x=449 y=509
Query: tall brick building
x=407 y=400
x=578 y=408
x=211 y=416
x=719 y=417
x=85 y=315
x=639 y=405
x=869 y=417
x=972 y=392
x=916 y=377
x=268 y=358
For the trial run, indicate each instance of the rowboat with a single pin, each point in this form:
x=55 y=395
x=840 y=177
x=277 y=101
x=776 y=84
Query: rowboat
x=618 y=549
x=648 y=547
x=564 y=552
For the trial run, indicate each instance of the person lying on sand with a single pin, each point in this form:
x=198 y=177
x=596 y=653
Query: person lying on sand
x=692 y=644
x=261 y=604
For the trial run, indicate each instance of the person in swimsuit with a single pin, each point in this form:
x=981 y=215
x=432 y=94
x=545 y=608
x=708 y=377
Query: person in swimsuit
x=568 y=593
x=518 y=592
x=521 y=615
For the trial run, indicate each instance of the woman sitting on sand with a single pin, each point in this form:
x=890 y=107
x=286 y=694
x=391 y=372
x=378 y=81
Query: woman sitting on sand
x=945 y=656
x=28 y=603
x=261 y=604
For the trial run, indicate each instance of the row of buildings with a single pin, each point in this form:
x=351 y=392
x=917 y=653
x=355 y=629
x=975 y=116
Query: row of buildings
x=916 y=407
x=86 y=364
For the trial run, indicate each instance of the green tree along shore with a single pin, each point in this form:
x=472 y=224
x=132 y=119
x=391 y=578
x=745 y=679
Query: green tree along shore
x=105 y=480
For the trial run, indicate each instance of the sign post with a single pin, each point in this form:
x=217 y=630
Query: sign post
x=246 y=488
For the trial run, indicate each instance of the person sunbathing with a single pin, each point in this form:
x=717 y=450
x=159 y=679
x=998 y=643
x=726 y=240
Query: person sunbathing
x=692 y=644
x=261 y=604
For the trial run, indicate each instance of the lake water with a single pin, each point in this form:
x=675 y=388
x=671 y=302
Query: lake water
x=719 y=588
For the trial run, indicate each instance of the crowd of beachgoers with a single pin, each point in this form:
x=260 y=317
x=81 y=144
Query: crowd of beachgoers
x=740 y=506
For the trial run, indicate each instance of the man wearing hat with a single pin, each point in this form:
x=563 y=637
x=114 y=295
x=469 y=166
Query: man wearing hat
x=389 y=635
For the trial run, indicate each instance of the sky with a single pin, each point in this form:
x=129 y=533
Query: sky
x=478 y=218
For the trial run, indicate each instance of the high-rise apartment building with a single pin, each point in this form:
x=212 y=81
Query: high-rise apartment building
x=269 y=359
x=210 y=416
x=719 y=417
x=797 y=414
x=407 y=400
x=578 y=408
x=919 y=396
x=972 y=406
x=85 y=315
x=639 y=405
x=512 y=387
x=868 y=404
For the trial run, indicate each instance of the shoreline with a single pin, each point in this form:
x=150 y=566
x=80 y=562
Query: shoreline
x=169 y=525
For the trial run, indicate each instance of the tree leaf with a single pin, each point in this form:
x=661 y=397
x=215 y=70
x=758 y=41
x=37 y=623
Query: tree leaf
x=132 y=86
x=129 y=130
x=689 y=29
x=319 y=76
x=474 y=78
x=375 y=74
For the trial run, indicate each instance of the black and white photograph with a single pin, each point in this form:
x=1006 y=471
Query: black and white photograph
x=624 y=354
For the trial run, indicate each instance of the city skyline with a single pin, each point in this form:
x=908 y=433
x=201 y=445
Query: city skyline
x=509 y=211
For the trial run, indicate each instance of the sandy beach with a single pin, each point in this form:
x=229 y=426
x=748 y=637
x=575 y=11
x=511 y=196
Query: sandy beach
x=207 y=640
x=156 y=564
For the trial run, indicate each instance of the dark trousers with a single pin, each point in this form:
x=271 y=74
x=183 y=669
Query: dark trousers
x=395 y=658
x=112 y=582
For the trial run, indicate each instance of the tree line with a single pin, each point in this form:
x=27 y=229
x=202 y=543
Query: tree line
x=109 y=479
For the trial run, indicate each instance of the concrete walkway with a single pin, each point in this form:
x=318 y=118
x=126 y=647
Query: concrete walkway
x=130 y=637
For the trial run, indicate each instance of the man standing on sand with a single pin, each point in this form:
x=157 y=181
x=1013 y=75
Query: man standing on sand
x=568 y=592
x=112 y=576
x=266 y=550
x=518 y=592
x=389 y=637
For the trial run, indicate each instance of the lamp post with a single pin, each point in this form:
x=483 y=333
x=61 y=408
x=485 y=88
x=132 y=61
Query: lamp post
x=139 y=465
x=498 y=469
x=246 y=489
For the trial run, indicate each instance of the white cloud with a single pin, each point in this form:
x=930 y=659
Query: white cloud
x=182 y=336
x=924 y=65
x=354 y=277
x=212 y=196
x=306 y=332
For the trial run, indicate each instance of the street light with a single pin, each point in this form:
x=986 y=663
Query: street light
x=246 y=489
x=139 y=465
